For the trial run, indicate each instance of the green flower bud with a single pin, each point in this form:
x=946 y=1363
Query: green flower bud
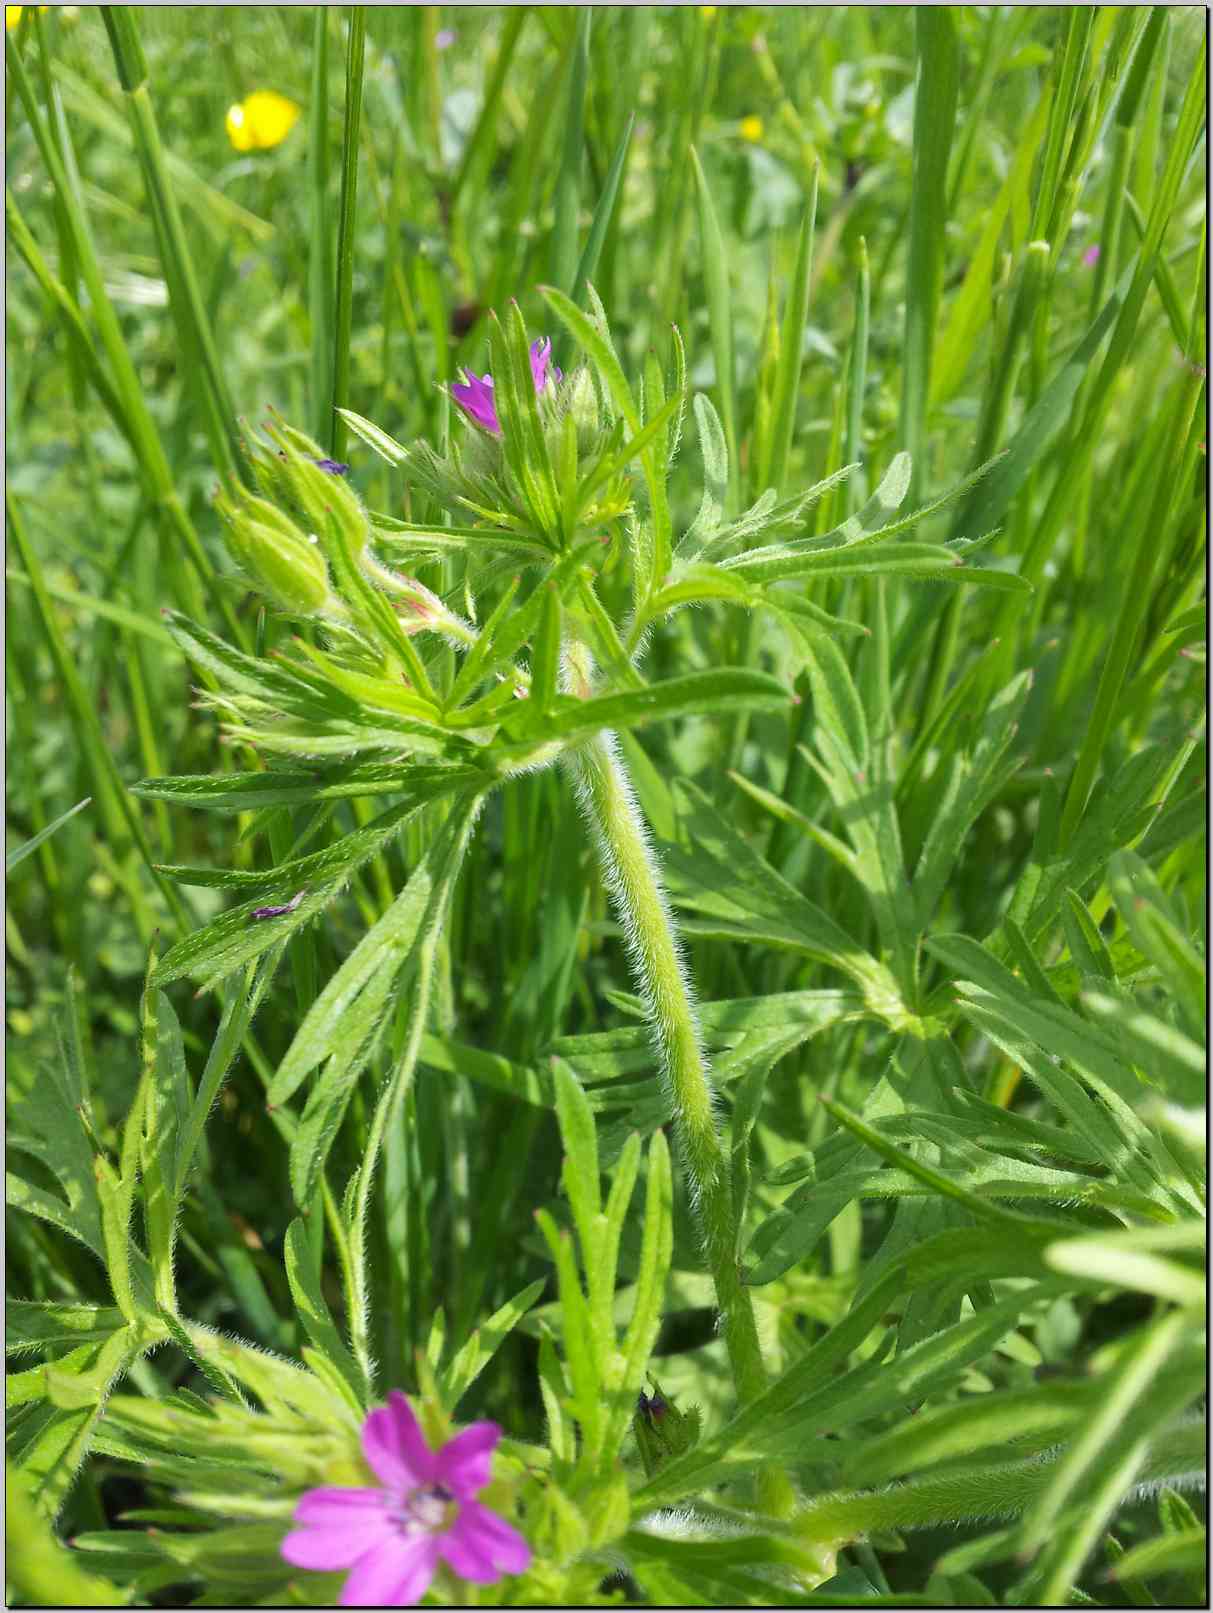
x=317 y=492
x=662 y=1431
x=275 y=553
x=419 y=608
x=582 y=404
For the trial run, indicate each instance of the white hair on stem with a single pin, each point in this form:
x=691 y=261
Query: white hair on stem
x=596 y=776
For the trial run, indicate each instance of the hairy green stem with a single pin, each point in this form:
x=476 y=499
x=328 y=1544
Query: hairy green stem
x=634 y=882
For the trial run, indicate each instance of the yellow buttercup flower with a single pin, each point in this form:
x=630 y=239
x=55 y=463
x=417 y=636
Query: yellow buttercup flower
x=12 y=15
x=263 y=119
x=707 y=12
x=751 y=128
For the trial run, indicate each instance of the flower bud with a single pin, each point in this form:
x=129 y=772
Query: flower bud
x=662 y=1431
x=294 y=471
x=319 y=493
x=419 y=608
x=275 y=553
x=582 y=404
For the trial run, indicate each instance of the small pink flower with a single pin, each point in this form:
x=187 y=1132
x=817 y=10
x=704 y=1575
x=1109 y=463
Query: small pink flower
x=445 y=38
x=1091 y=256
x=391 y=1538
x=475 y=396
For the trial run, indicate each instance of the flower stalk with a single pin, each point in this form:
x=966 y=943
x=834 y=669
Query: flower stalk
x=634 y=882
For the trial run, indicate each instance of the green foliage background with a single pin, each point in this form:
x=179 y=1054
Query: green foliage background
x=997 y=796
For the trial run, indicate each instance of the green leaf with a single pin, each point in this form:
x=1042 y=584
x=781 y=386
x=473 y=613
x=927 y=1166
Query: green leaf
x=584 y=1351
x=520 y=1081
x=1158 y=933
x=568 y=179
x=313 y=1312
x=386 y=447
x=20 y=853
x=482 y=1345
x=713 y=870
x=47 y=1125
x=1048 y=414
x=1133 y=1260
x=51 y=1450
x=720 y=445
x=588 y=264
x=1040 y=1415
x=780 y=1422
x=545 y=668
x=973 y=781
x=242 y=792
x=1158 y=1048
x=1139 y=1397
x=42 y=1571
x=580 y=1170
x=362 y=1027
x=930 y=1178
x=380 y=954
x=727 y=689
x=167 y=1102
x=869 y=524
x=237 y=938
x=596 y=343
x=656 y=1253
x=791 y=347
x=40 y=1324
x=937 y=59
x=1182 y=1552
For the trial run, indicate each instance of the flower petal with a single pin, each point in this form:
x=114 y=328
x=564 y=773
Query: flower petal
x=481 y=1533
x=396 y=1574
x=331 y=1506
x=340 y=1544
x=475 y=398
x=395 y=1447
x=465 y=1462
x=541 y=352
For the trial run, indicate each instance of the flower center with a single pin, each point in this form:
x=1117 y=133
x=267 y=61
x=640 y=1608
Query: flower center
x=425 y=1510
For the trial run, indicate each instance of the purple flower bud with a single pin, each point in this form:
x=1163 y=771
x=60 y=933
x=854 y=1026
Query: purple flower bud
x=475 y=396
x=654 y=1407
x=476 y=400
x=541 y=352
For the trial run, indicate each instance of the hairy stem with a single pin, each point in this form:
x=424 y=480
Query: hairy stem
x=634 y=882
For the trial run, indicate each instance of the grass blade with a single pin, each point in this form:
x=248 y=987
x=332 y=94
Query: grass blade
x=343 y=311
x=934 y=123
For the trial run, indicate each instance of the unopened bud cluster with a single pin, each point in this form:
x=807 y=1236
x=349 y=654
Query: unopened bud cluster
x=282 y=536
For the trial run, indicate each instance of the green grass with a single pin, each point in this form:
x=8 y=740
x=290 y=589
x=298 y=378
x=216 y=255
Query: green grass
x=929 y=806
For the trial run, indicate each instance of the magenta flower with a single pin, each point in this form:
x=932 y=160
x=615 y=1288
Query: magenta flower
x=391 y=1538
x=475 y=397
x=1091 y=256
x=541 y=352
x=476 y=400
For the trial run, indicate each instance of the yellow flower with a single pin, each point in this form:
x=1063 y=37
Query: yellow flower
x=707 y=12
x=751 y=128
x=12 y=15
x=263 y=119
